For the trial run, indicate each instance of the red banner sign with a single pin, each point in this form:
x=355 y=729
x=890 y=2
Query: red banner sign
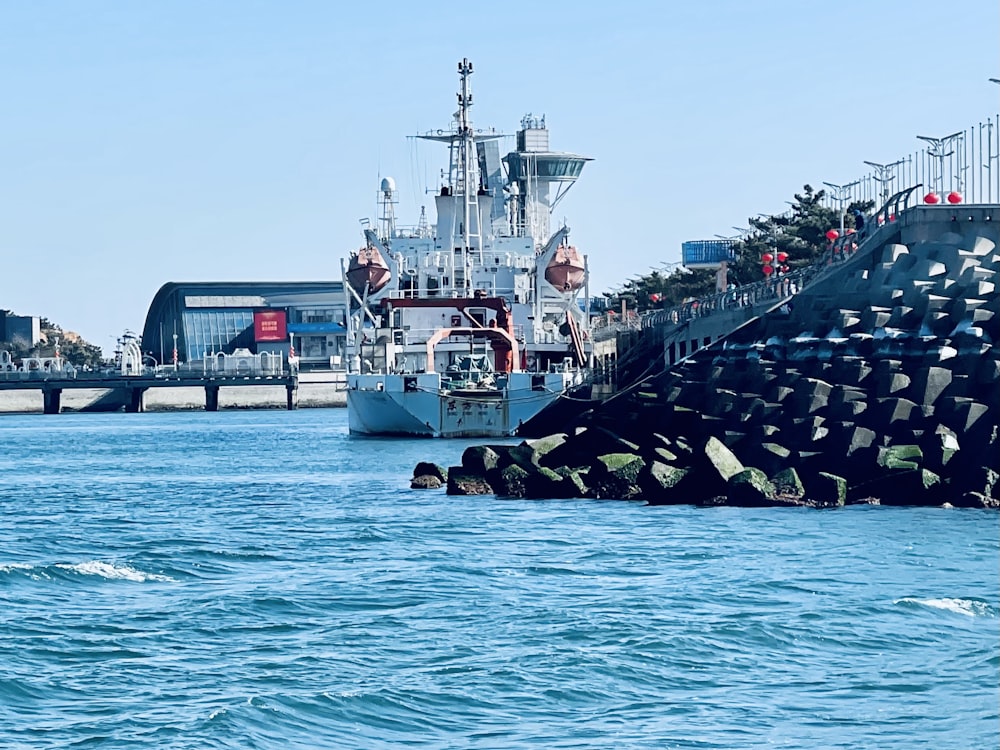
x=270 y=325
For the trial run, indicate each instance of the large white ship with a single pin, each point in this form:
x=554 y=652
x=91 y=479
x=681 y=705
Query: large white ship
x=469 y=327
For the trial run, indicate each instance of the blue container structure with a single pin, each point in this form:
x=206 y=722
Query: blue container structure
x=707 y=253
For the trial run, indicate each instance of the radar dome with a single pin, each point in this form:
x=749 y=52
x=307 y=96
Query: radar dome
x=388 y=185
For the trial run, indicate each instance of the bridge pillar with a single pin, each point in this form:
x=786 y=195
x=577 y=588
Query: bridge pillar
x=136 y=400
x=50 y=400
x=211 y=398
x=292 y=393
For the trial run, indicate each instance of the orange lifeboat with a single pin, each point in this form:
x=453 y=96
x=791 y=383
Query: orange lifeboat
x=566 y=271
x=367 y=268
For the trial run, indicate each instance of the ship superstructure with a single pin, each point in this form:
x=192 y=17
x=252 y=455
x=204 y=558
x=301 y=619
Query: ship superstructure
x=480 y=308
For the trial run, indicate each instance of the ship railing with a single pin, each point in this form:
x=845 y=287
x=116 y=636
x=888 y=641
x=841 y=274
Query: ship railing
x=412 y=335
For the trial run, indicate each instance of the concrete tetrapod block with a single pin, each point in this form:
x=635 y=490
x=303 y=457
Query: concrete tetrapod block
x=463 y=482
x=769 y=457
x=900 y=457
x=904 y=317
x=659 y=484
x=825 y=489
x=891 y=411
x=981 y=247
x=426 y=468
x=938 y=446
x=888 y=383
x=929 y=383
x=425 y=482
x=845 y=394
x=811 y=395
x=875 y=317
x=892 y=252
x=616 y=476
x=963 y=415
x=478 y=459
x=787 y=484
x=851 y=371
x=918 y=486
x=511 y=481
x=719 y=463
x=750 y=488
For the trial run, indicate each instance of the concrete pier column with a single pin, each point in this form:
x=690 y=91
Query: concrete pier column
x=135 y=403
x=211 y=398
x=50 y=400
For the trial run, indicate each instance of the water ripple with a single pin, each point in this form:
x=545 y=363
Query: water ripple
x=261 y=580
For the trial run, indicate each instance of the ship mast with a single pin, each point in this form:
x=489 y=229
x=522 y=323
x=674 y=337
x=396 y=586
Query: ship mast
x=466 y=156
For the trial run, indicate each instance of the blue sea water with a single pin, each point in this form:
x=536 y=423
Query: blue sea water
x=263 y=580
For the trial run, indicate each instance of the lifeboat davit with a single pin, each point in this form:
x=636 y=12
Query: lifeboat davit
x=367 y=268
x=566 y=271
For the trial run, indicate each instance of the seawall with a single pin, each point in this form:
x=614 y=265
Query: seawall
x=879 y=384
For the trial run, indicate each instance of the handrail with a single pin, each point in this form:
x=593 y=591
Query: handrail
x=786 y=285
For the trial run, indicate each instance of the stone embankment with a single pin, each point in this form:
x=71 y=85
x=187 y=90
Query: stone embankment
x=880 y=383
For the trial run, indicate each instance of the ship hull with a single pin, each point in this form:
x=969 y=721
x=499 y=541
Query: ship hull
x=417 y=406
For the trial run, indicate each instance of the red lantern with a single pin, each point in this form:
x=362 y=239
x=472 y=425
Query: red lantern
x=784 y=269
x=832 y=234
x=954 y=197
x=932 y=198
x=881 y=220
x=766 y=258
x=768 y=270
x=782 y=256
x=892 y=217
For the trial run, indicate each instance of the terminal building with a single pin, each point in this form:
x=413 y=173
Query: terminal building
x=23 y=329
x=203 y=319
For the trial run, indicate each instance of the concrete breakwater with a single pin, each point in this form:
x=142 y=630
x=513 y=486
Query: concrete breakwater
x=879 y=383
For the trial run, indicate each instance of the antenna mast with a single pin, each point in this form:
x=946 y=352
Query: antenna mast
x=466 y=155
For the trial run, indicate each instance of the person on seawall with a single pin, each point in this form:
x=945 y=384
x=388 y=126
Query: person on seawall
x=859 y=221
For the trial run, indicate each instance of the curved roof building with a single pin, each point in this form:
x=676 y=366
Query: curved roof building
x=205 y=318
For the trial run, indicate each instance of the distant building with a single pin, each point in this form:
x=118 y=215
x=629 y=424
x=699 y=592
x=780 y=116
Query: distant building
x=22 y=328
x=717 y=254
x=213 y=317
x=707 y=253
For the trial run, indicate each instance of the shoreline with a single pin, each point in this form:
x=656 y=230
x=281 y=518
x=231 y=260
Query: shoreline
x=316 y=390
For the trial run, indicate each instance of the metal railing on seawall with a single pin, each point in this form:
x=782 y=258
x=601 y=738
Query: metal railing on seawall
x=842 y=249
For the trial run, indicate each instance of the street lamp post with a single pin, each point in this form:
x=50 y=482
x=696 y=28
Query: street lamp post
x=842 y=191
x=884 y=175
x=175 y=352
x=937 y=150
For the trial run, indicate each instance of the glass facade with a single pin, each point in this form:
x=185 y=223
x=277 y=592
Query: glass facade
x=212 y=331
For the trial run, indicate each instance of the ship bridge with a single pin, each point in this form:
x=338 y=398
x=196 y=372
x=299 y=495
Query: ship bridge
x=533 y=169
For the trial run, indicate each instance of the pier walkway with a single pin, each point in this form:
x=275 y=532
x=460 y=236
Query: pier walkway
x=130 y=390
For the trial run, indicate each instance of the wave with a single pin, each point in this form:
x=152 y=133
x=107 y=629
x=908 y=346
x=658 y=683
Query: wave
x=109 y=571
x=967 y=607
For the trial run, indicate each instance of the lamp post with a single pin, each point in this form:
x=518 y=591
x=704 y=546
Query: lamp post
x=885 y=174
x=175 y=352
x=842 y=191
x=937 y=150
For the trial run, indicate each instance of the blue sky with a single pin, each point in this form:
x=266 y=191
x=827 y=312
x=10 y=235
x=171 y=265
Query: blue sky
x=146 y=142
